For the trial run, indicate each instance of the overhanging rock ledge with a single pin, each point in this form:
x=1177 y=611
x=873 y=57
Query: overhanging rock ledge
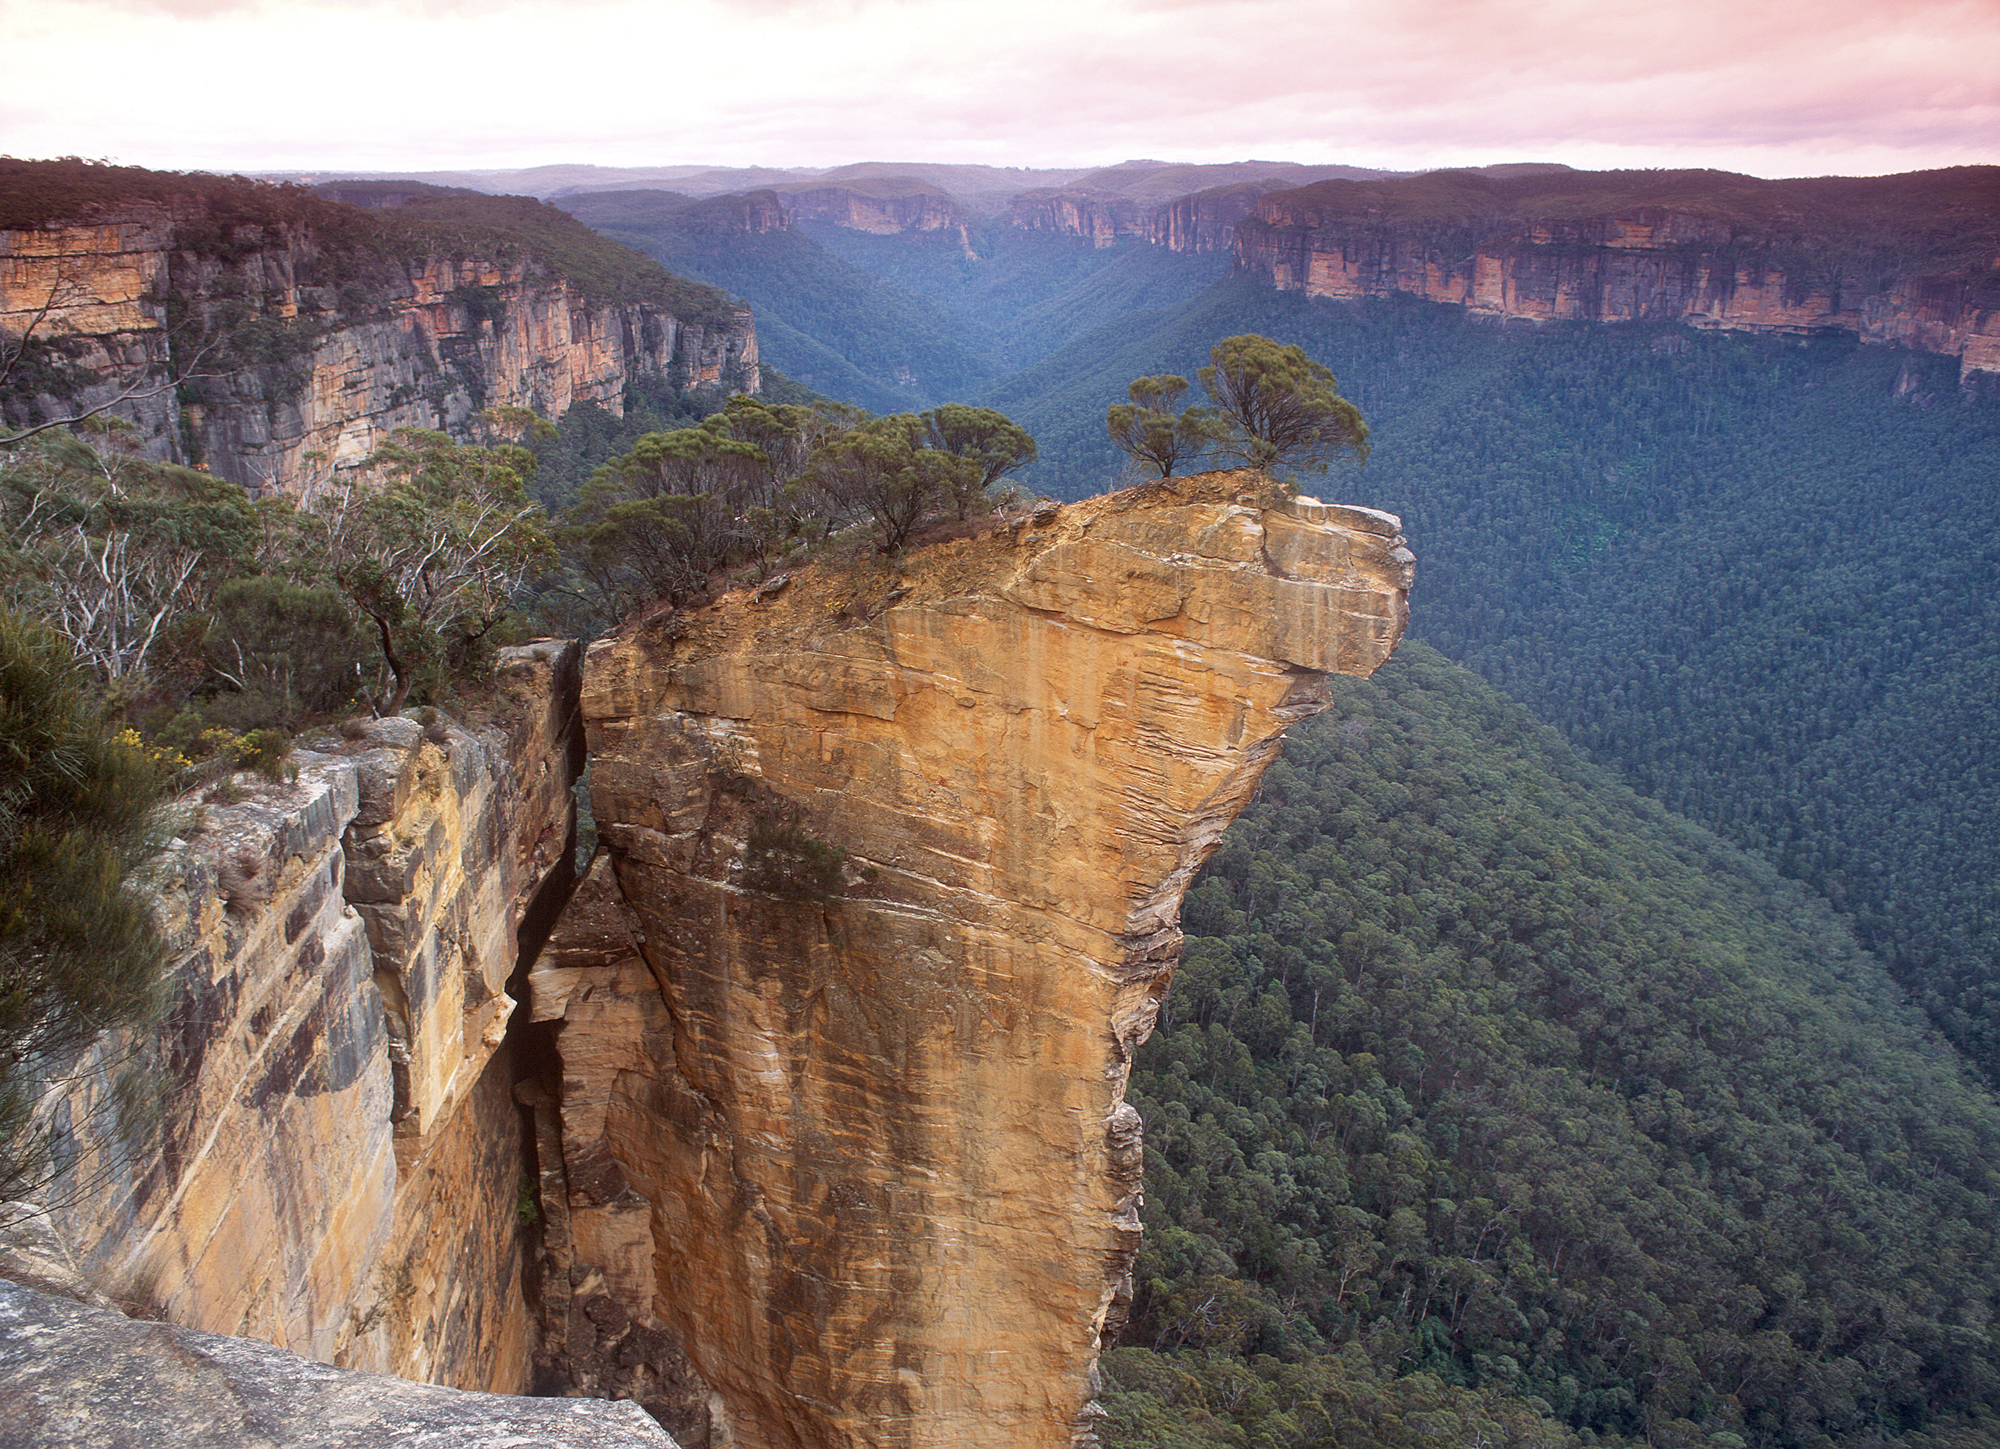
x=839 y=1153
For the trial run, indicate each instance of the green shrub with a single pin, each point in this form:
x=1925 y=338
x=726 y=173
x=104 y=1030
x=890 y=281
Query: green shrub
x=79 y=949
x=283 y=652
x=783 y=858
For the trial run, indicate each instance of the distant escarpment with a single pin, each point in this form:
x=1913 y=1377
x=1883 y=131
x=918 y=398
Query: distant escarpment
x=1179 y=207
x=879 y=207
x=1203 y=221
x=271 y=334
x=1911 y=259
x=883 y=207
x=836 y=1153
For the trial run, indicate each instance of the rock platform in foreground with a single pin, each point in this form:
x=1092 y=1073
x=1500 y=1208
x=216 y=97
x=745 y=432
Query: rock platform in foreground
x=74 y=1376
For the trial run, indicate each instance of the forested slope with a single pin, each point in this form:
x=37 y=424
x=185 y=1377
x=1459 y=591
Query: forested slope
x=832 y=326
x=1484 y=1075
x=892 y=322
x=1027 y=293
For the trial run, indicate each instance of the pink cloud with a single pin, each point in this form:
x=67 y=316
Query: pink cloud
x=1776 y=87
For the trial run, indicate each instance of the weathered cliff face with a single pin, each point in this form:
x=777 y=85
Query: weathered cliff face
x=338 y=1163
x=1099 y=217
x=849 y=1129
x=97 y=292
x=1201 y=222
x=1642 y=263
x=1206 y=221
x=298 y=366
x=877 y=207
x=753 y=212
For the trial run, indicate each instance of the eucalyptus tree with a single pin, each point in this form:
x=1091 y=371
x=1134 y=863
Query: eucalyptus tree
x=1283 y=410
x=1153 y=433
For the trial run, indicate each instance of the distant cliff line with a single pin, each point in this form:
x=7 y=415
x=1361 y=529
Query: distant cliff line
x=270 y=334
x=1911 y=259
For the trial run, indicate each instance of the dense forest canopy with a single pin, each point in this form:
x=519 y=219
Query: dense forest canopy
x=1755 y=574
x=1481 y=1067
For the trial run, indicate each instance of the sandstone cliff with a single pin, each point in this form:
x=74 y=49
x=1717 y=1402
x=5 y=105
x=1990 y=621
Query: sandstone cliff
x=1200 y=222
x=1099 y=217
x=337 y=1168
x=304 y=345
x=896 y=862
x=1913 y=260
x=754 y=212
x=882 y=206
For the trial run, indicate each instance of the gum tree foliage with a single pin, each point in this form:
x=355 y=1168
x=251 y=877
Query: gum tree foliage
x=1283 y=409
x=758 y=483
x=431 y=546
x=192 y=604
x=1150 y=431
x=883 y=472
x=114 y=552
x=79 y=951
x=657 y=521
x=278 y=651
x=997 y=444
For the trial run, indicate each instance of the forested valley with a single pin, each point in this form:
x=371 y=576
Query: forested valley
x=1590 y=1034
x=1489 y=1086
x=1754 y=574
x=1630 y=1080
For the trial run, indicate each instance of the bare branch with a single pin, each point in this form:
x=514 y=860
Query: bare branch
x=64 y=290
x=135 y=393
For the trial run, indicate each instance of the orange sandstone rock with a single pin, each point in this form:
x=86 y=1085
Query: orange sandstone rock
x=1646 y=263
x=337 y=1164
x=850 y=1129
x=417 y=356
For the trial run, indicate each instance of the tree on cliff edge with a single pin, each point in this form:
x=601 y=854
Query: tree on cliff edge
x=1283 y=409
x=1153 y=434
x=883 y=471
x=992 y=440
x=432 y=551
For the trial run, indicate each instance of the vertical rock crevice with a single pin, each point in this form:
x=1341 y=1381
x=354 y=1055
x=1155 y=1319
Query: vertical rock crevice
x=338 y=1159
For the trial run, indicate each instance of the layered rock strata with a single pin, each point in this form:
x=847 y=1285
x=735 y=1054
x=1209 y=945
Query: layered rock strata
x=337 y=1168
x=883 y=207
x=438 y=339
x=1627 y=264
x=1097 y=216
x=1201 y=222
x=899 y=856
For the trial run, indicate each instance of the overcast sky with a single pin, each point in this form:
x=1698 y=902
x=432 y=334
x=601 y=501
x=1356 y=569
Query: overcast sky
x=1771 y=87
